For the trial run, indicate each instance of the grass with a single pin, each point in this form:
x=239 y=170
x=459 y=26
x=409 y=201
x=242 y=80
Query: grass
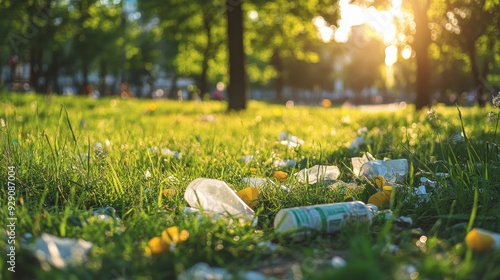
x=73 y=154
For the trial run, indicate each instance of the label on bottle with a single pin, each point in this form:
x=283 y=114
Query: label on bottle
x=329 y=218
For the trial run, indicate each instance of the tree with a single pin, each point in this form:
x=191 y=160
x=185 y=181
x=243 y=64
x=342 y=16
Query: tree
x=198 y=32
x=473 y=26
x=421 y=45
x=236 y=91
x=36 y=34
x=279 y=31
x=100 y=32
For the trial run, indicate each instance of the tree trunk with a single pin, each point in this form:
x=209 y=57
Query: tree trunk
x=103 y=72
x=476 y=76
x=35 y=67
x=85 y=72
x=173 y=88
x=236 y=90
x=51 y=84
x=422 y=42
x=279 y=83
x=203 y=82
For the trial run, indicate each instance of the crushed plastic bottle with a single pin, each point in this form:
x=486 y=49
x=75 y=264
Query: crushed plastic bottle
x=325 y=218
x=318 y=173
x=216 y=197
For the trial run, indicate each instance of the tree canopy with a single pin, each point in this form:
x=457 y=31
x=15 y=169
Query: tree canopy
x=412 y=50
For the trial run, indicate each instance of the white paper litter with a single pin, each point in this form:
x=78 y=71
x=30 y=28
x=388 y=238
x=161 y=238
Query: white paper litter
x=61 y=252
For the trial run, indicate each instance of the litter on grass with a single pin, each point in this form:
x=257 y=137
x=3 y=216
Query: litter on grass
x=215 y=197
x=393 y=171
x=318 y=173
x=169 y=239
x=108 y=215
x=60 y=252
x=250 y=196
x=338 y=262
x=284 y=163
x=254 y=181
x=247 y=158
x=298 y=222
x=482 y=240
x=382 y=198
x=203 y=271
x=290 y=141
x=166 y=152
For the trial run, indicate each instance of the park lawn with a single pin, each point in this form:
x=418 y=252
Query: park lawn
x=72 y=155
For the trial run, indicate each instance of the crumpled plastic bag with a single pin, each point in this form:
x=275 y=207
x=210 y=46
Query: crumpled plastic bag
x=318 y=173
x=166 y=152
x=393 y=170
x=61 y=252
x=215 y=197
x=285 y=163
x=203 y=271
x=290 y=140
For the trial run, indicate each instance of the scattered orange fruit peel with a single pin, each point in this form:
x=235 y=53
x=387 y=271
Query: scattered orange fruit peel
x=250 y=196
x=169 y=192
x=482 y=240
x=170 y=237
x=380 y=181
x=379 y=199
x=280 y=175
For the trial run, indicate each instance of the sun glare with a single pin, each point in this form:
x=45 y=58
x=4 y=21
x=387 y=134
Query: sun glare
x=325 y=31
x=406 y=52
x=382 y=22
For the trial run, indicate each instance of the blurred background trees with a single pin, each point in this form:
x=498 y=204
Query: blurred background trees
x=306 y=51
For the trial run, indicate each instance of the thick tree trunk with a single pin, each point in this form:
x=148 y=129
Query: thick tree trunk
x=476 y=75
x=236 y=90
x=421 y=46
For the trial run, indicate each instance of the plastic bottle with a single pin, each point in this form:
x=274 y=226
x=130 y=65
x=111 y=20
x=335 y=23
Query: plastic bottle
x=324 y=218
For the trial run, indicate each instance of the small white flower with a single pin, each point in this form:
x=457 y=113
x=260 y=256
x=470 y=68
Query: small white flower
x=338 y=262
x=147 y=174
x=2 y=122
x=491 y=116
x=362 y=130
x=496 y=101
x=432 y=115
x=168 y=152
